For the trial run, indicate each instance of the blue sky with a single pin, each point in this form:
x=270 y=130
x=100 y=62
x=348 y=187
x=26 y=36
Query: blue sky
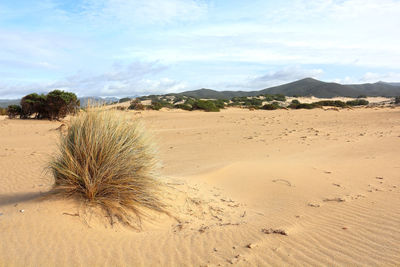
x=129 y=47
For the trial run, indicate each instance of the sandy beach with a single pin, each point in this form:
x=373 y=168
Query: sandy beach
x=247 y=188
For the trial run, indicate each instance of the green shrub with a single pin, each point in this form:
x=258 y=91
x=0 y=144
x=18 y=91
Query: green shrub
x=239 y=99
x=136 y=104
x=106 y=160
x=303 y=106
x=278 y=97
x=156 y=106
x=55 y=105
x=253 y=102
x=220 y=103
x=59 y=104
x=124 y=99
x=183 y=106
x=397 y=100
x=245 y=101
x=3 y=111
x=295 y=101
x=190 y=101
x=331 y=103
x=252 y=107
x=13 y=111
x=33 y=104
x=178 y=98
x=206 y=105
x=270 y=107
x=358 y=102
x=160 y=103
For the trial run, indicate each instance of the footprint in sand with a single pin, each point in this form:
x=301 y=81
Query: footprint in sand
x=335 y=199
x=282 y=181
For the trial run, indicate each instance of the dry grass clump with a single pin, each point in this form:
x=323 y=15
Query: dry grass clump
x=107 y=160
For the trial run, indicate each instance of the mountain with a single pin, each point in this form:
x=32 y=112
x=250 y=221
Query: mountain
x=6 y=102
x=311 y=87
x=307 y=87
x=209 y=93
x=97 y=100
x=394 y=84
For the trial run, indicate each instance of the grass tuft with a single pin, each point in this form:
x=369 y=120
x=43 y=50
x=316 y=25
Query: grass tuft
x=107 y=160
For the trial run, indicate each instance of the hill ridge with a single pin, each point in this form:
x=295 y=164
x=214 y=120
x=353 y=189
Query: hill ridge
x=307 y=87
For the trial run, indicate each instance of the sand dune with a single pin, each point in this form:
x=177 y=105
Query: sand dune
x=249 y=188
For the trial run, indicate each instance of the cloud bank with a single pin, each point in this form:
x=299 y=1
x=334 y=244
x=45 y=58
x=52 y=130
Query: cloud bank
x=119 y=47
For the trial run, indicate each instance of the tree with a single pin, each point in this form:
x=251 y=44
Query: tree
x=55 y=105
x=14 y=111
x=136 y=104
x=60 y=104
x=33 y=104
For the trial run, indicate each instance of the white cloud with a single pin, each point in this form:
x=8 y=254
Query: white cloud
x=371 y=77
x=136 y=78
x=213 y=44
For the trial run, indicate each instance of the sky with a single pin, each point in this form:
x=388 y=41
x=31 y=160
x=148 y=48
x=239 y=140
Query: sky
x=129 y=47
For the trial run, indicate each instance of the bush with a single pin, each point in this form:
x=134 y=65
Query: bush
x=55 y=105
x=136 y=105
x=278 y=97
x=33 y=104
x=106 y=159
x=253 y=102
x=273 y=106
x=59 y=104
x=178 y=98
x=303 y=106
x=190 y=101
x=183 y=106
x=331 y=103
x=124 y=99
x=220 y=103
x=397 y=100
x=237 y=101
x=156 y=106
x=358 y=102
x=14 y=111
x=295 y=101
x=270 y=107
x=3 y=111
x=206 y=105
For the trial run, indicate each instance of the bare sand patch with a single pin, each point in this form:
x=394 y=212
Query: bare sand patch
x=230 y=176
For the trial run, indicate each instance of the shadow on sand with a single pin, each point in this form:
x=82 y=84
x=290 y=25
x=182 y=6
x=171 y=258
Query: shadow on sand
x=11 y=199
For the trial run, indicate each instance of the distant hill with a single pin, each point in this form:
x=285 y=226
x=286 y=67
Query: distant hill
x=209 y=93
x=307 y=87
x=303 y=87
x=6 y=102
x=394 y=84
x=97 y=100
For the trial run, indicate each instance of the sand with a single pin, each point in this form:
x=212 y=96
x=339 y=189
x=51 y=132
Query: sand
x=248 y=188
